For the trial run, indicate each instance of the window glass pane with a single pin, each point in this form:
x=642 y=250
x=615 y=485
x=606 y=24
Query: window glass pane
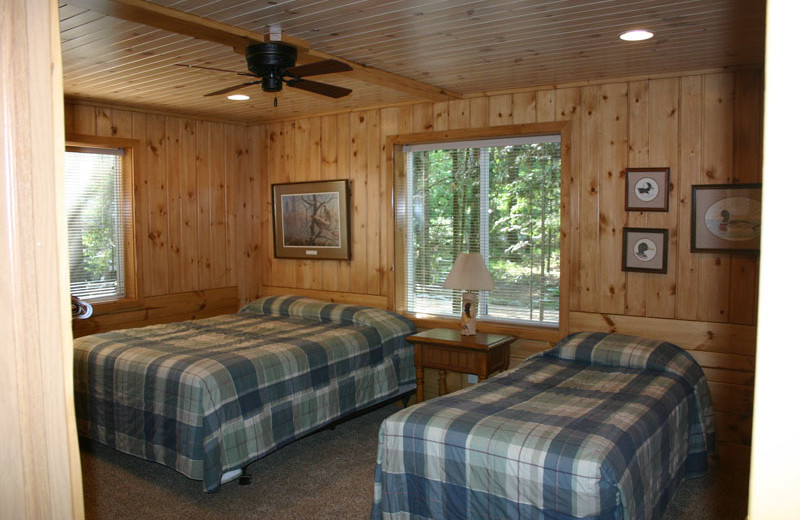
x=503 y=201
x=95 y=224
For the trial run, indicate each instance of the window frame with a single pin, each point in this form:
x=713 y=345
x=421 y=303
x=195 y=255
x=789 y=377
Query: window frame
x=396 y=167
x=132 y=249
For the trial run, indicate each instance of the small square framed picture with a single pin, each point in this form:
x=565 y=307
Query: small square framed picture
x=644 y=250
x=647 y=189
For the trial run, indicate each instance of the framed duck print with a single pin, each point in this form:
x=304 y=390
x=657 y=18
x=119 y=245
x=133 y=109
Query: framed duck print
x=644 y=250
x=726 y=218
x=647 y=189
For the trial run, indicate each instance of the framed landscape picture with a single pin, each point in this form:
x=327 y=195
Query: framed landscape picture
x=644 y=250
x=311 y=219
x=726 y=218
x=647 y=189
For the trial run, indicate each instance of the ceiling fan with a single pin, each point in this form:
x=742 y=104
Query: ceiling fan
x=273 y=63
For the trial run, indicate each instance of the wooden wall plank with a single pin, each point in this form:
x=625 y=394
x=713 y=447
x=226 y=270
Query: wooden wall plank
x=523 y=108
x=545 y=106
x=501 y=110
x=748 y=129
x=612 y=113
x=422 y=117
x=664 y=144
x=188 y=271
x=638 y=157
x=302 y=163
x=343 y=167
x=157 y=254
x=314 y=174
x=587 y=256
x=231 y=217
x=284 y=271
x=164 y=309
x=359 y=157
x=690 y=170
x=138 y=131
x=723 y=338
x=204 y=190
x=375 y=243
x=458 y=114
x=479 y=112
x=713 y=289
x=329 y=157
x=217 y=218
x=174 y=217
x=566 y=107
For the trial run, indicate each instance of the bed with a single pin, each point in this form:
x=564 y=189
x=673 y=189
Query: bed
x=602 y=426
x=207 y=397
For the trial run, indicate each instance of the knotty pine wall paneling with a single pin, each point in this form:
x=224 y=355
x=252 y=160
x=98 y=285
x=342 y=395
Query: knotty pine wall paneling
x=197 y=194
x=705 y=127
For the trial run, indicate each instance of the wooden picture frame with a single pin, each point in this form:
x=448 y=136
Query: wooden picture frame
x=726 y=218
x=644 y=250
x=312 y=219
x=647 y=189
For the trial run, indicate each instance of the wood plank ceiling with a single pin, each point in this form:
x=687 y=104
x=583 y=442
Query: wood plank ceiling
x=464 y=47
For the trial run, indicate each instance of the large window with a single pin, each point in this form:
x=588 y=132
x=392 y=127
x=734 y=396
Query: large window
x=498 y=197
x=99 y=222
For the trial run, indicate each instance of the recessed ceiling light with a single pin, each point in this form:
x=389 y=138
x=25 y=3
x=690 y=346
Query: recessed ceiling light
x=239 y=97
x=636 y=35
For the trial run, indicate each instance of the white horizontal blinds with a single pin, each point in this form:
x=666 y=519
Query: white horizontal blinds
x=500 y=198
x=95 y=222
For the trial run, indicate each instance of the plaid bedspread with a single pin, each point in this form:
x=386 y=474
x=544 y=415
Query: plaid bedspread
x=603 y=426
x=211 y=395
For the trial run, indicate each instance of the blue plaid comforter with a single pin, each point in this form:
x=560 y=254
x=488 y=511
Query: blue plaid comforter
x=603 y=426
x=208 y=396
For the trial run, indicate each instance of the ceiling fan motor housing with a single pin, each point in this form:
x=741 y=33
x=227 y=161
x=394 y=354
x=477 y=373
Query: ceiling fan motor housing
x=268 y=61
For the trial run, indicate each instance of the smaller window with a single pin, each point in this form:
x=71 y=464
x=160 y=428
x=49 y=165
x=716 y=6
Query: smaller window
x=99 y=222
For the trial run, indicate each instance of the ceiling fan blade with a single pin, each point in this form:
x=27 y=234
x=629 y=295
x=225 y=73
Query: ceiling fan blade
x=231 y=89
x=319 y=67
x=190 y=66
x=319 y=88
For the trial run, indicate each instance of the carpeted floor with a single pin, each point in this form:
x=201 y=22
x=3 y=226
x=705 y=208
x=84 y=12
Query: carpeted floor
x=327 y=475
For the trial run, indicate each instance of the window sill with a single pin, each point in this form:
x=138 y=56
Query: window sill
x=550 y=333
x=103 y=306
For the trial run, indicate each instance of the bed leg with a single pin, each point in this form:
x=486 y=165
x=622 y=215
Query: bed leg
x=245 y=478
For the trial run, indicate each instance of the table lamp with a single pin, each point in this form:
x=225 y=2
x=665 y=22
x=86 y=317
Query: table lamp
x=469 y=274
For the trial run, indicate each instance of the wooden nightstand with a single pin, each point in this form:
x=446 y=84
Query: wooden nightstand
x=448 y=350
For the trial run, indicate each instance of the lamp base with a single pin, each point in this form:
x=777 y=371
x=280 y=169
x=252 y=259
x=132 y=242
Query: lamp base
x=469 y=310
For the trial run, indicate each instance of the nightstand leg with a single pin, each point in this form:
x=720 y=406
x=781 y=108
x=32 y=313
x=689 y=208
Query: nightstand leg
x=442 y=382
x=420 y=385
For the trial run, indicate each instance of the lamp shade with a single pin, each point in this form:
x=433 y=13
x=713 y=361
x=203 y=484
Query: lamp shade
x=469 y=273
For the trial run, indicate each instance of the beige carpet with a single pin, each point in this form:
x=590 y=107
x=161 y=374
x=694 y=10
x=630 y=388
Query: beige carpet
x=327 y=475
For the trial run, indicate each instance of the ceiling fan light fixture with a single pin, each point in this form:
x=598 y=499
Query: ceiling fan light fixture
x=238 y=97
x=636 y=35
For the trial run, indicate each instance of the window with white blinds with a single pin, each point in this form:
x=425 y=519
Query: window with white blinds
x=97 y=217
x=498 y=197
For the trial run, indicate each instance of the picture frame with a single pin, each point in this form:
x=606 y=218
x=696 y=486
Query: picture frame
x=647 y=189
x=644 y=250
x=311 y=220
x=726 y=218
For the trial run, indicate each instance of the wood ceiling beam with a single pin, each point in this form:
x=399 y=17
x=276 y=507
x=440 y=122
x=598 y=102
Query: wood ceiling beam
x=173 y=20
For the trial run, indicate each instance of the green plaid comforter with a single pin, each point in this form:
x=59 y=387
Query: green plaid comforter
x=211 y=395
x=603 y=426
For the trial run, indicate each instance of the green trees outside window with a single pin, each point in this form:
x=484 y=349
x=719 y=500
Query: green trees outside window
x=95 y=223
x=502 y=200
